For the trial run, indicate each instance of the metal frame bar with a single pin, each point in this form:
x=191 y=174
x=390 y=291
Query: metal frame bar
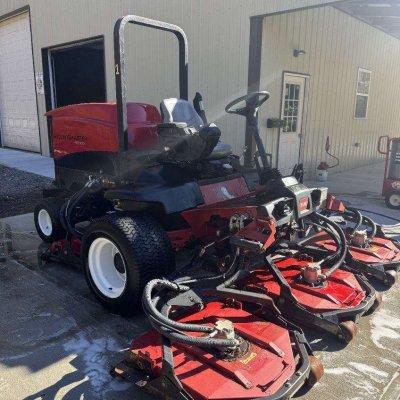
x=120 y=69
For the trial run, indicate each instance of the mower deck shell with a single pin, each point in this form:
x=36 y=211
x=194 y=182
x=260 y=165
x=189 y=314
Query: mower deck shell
x=381 y=256
x=267 y=370
x=346 y=296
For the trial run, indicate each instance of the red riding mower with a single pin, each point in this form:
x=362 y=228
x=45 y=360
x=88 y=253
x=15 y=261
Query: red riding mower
x=370 y=251
x=391 y=182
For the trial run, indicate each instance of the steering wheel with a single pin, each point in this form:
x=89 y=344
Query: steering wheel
x=252 y=102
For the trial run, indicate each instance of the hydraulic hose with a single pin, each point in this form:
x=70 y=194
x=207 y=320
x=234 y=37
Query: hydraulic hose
x=172 y=329
x=358 y=219
x=331 y=233
x=381 y=215
x=192 y=340
x=373 y=226
x=151 y=309
x=235 y=265
x=341 y=243
x=71 y=205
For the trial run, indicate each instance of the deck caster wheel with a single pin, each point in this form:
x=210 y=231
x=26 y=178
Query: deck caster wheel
x=390 y=278
x=316 y=371
x=378 y=301
x=348 y=330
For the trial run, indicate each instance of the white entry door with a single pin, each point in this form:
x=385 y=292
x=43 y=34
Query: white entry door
x=294 y=87
x=18 y=111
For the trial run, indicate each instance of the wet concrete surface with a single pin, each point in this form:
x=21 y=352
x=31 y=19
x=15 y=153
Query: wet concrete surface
x=60 y=343
x=57 y=342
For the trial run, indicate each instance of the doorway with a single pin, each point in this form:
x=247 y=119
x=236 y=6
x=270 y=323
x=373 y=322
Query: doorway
x=293 y=113
x=77 y=73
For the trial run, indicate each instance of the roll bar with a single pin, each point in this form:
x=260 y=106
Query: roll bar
x=120 y=71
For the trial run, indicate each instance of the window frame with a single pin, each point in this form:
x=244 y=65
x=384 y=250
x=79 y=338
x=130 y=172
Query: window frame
x=360 y=69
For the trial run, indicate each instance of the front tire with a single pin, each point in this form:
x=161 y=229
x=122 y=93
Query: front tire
x=47 y=220
x=120 y=254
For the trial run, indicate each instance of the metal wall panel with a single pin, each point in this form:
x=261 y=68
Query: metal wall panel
x=218 y=33
x=336 y=46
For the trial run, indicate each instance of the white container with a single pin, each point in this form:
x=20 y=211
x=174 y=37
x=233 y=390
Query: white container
x=322 y=175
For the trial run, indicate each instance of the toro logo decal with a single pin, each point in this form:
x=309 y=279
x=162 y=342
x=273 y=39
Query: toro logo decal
x=396 y=185
x=303 y=204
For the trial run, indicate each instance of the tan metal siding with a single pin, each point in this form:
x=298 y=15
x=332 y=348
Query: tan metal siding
x=336 y=45
x=218 y=33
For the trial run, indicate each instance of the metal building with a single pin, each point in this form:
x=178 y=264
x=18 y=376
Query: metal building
x=331 y=68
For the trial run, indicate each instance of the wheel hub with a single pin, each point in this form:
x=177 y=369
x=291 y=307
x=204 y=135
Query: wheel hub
x=44 y=221
x=119 y=263
x=107 y=267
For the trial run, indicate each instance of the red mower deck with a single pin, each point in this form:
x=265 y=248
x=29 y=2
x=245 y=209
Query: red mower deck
x=272 y=363
x=380 y=258
x=334 y=306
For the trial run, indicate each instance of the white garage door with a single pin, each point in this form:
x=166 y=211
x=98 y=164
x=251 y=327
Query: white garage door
x=18 y=112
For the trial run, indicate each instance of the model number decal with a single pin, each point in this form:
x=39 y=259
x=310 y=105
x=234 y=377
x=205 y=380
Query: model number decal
x=78 y=138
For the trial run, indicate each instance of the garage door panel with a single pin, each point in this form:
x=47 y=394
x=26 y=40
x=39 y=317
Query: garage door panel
x=18 y=112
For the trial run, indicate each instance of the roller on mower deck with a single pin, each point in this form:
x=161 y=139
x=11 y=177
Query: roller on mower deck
x=370 y=252
x=205 y=345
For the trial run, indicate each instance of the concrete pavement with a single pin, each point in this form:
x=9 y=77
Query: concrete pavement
x=27 y=161
x=56 y=342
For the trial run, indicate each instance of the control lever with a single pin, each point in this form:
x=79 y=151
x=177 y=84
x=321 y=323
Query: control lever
x=246 y=244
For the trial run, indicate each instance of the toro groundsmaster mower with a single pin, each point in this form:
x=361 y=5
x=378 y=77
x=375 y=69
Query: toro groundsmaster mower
x=370 y=251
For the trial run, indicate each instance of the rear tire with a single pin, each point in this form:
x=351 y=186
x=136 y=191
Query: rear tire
x=392 y=200
x=47 y=220
x=120 y=254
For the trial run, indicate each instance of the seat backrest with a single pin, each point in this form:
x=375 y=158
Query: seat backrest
x=178 y=110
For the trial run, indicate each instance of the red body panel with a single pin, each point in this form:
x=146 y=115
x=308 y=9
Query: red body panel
x=205 y=376
x=93 y=127
x=341 y=292
x=380 y=251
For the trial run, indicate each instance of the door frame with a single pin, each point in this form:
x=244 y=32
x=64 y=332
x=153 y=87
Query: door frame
x=304 y=112
x=48 y=70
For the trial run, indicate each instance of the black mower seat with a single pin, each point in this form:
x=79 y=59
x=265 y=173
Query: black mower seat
x=179 y=110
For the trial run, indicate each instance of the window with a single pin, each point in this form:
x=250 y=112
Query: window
x=291 y=107
x=362 y=93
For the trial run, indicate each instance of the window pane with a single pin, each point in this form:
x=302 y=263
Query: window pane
x=361 y=107
x=364 y=79
x=297 y=92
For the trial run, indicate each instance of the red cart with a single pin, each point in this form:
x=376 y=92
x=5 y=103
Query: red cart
x=391 y=184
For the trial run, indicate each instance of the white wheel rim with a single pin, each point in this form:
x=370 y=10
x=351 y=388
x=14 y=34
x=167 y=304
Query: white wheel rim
x=44 y=222
x=101 y=261
x=394 y=200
